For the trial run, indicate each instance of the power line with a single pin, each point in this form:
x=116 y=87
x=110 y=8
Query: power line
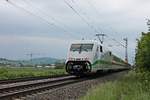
x=33 y=14
x=52 y=24
x=82 y=18
x=98 y=13
x=64 y=27
x=98 y=27
x=101 y=36
x=21 y=8
x=113 y=39
x=81 y=11
x=88 y=18
x=92 y=6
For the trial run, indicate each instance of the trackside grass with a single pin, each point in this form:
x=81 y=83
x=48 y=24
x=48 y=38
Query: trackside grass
x=133 y=86
x=12 y=73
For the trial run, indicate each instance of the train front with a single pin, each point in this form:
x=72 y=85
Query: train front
x=79 y=58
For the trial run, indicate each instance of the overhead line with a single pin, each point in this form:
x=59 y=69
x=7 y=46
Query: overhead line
x=28 y=12
x=82 y=18
x=33 y=14
x=89 y=24
x=97 y=28
x=98 y=13
x=52 y=18
x=116 y=41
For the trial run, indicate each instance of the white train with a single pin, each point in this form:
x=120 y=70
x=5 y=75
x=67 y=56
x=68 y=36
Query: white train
x=86 y=56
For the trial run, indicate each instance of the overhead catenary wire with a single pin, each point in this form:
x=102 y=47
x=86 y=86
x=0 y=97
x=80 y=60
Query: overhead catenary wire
x=113 y=39
x=60 y=24
x=98 y=29
x=98 y=13
x=35 y=15
x=21 y=8
x=53 y=24
x=82 y=18
x=92 y=6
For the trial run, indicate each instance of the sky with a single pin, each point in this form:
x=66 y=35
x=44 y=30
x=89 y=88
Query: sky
x=46 y=27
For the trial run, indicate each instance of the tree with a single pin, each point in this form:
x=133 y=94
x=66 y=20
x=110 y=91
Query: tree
x=143 y=52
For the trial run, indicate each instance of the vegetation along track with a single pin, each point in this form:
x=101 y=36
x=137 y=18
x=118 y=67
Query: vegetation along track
x=16 y=90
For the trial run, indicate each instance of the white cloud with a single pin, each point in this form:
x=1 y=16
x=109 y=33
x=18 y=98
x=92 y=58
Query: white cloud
x=18 y=46
x=22 y=30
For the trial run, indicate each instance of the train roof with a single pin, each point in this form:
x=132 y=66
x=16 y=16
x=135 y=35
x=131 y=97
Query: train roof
x=85 y=41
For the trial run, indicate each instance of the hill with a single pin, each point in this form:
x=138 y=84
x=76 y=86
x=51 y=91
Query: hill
x=35 y=61
x=44 y=60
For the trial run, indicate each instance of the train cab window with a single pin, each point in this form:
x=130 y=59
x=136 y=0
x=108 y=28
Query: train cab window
x=101 y=49
x=81 y=47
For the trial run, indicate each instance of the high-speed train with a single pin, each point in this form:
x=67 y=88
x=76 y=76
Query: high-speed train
x=86 y=56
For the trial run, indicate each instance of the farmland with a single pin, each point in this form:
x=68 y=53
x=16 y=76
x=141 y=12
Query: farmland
x=19 y=72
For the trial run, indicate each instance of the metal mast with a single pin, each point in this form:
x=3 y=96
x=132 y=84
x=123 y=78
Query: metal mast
x=101 y=37
x=126 y=49
x=31 y=56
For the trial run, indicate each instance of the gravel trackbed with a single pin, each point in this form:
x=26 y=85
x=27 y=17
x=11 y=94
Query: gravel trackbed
x=76 y=90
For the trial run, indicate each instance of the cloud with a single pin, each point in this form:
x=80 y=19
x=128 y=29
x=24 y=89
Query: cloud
x=116 y=18
x=18 y=46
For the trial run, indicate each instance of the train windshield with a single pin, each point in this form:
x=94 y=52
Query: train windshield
x=81 y=47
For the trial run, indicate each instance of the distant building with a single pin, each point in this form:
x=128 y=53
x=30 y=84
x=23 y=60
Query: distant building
x=38 y=66
x=50 y=66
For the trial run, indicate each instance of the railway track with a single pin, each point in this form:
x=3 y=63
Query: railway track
x=16 y=90
x=7 y=81
x=12 y=91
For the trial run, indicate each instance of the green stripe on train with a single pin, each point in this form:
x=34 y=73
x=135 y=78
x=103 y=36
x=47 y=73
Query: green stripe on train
x=105 y=64
x=101 y=62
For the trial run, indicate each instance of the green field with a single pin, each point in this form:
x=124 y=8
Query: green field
x=133 y=86
x=13 y=72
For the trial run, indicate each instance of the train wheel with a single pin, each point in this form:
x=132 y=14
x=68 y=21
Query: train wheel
x=88 y=67
x=69 y=67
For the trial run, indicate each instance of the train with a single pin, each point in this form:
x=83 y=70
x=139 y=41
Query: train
x=88 y=56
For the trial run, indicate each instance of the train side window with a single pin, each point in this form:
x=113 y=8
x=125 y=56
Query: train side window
x=101 y=49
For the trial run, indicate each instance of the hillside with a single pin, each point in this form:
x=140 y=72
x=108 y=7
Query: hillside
x=35 y=61
x=44 y=60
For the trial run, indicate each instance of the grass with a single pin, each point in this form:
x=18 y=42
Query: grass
x=133 y=86
x=12 y=73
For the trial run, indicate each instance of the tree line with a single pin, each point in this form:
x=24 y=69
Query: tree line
x=142 y=58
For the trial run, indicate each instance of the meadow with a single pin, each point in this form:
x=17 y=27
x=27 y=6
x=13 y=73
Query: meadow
x=17 y=72
x=133 y=86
